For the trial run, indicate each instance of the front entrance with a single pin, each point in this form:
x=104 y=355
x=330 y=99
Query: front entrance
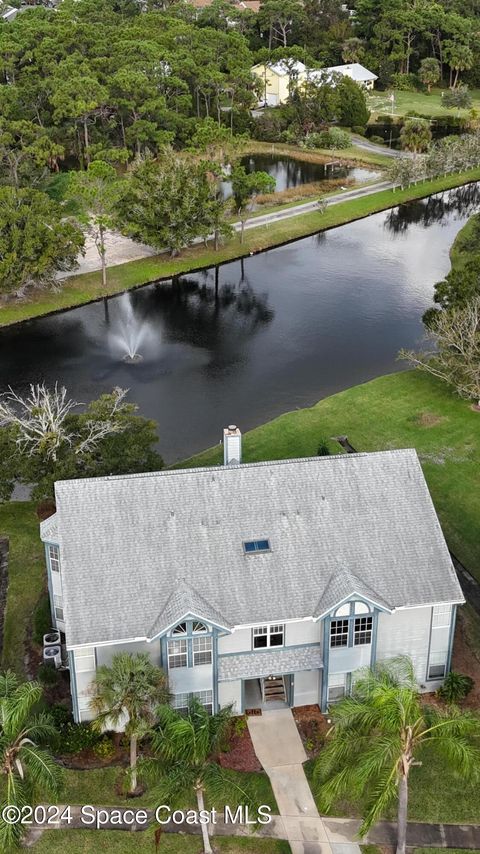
x=270 y=692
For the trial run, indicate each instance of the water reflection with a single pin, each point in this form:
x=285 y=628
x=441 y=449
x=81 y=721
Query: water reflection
x=463 y=201
x=289 y=172
x=250 y=339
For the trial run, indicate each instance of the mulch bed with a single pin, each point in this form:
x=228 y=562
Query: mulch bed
x=312 y=727
x=241 y=755
x=466 y=660
x=87 y=760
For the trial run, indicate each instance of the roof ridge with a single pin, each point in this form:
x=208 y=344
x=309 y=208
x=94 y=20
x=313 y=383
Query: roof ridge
x=321 y=460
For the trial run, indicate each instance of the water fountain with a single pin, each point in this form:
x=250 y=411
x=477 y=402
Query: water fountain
x=130 y=333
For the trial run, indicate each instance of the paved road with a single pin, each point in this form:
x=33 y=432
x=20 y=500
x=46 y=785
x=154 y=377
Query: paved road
x=360 y=142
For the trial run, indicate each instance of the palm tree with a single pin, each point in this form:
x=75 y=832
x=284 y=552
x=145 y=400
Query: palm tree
x=380 y=733
x=27 y=769
x=415 y=135
x=184 y=745
x=126 y=694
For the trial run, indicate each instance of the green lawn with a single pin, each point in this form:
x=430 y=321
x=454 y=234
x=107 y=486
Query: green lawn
x=466 y=246
x=419 y=102
x=433 y=796
x=98 y=787
x=81 y=289
x=19 y=522
x=119 y=842
x=398 y=411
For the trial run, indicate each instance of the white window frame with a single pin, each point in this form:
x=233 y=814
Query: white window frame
x=201 y=650
x=54 y=557
x=58 y=608
x=365 y=627
x=267 y=632
x=177 y=652
x=343 y=634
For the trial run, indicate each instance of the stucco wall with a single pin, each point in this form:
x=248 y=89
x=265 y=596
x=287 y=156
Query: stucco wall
x=231 y=692
x=406 y=633
x=306 y=688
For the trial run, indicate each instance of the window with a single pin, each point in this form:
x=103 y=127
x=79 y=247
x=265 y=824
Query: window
x=267 y=636
x=58 y=607
x=336 y=687
x=363 y=631
x=198 y=628
x=181 y=701
x=437 y=665
x=177 y=653
x=339 y=633
x=181 y=629
x=54 y=557
x=253 y=546
x=202 y=651
x=442 y=615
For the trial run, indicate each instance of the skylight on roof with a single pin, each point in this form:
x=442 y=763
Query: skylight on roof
x=255 y=546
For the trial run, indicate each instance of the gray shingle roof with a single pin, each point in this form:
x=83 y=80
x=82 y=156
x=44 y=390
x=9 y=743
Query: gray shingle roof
x=126 y=540
x=258 y=664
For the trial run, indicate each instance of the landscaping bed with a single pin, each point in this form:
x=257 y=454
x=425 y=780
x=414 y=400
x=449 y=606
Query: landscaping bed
x=240 y=755
x=312 y=727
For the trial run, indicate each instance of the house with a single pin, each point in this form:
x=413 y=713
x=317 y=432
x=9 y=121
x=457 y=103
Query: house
x=277 y=79
x=354 y=70
x=256 y=584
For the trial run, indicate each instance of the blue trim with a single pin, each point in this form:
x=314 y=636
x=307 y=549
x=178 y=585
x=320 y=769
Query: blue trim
x=268 y=649
x=49 y=583
x=450 y=639
x=429 y=645
x=326 y=656
x=215 y=672
x=73 y=687
x=373 y=653
x=163 y=654
x=242 y=697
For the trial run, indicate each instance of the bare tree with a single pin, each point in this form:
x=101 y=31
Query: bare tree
x=41 y=421
x=455 y=356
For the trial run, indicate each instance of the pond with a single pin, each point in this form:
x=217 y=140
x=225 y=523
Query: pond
x=251 y=339
x=289 y=172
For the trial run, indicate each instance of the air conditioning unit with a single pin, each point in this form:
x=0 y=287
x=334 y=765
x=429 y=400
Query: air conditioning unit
x=52 y=638
x=53 y=655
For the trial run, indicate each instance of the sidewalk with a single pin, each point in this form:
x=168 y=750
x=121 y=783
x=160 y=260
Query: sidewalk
x=280 y=750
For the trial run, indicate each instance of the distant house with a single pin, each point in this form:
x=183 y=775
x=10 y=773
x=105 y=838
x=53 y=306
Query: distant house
x=354 y=70
x=261 y=584
x=278 y=78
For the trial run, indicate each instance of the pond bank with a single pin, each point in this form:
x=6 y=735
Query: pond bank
x=79 y=290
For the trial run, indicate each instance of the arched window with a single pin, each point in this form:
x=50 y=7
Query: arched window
x=181 y=629
x=199 y=628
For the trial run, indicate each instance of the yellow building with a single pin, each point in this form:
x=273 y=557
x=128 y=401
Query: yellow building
x=277 y=80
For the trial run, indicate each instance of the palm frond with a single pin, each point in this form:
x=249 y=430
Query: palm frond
x=43 y=771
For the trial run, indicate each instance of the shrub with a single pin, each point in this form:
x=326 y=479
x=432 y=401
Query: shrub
x=359 y=129
x=42 y=620
x=104 y=748
x=459 y=97
x=77 y=737
x=378 y=140
x=269 y=126
x=60 y=716
x=47 y=674
x=405 y=82
x=455 y=687
x=323 y=449
x=239 y=724
x=333 y=138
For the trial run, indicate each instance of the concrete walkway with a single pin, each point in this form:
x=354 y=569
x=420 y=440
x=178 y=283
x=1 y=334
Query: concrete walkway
x=280 y=750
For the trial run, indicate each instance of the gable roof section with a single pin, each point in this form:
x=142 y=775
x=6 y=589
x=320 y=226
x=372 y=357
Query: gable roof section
x=354 y=70
x=185 y=601
x=281 y=68
x=126 y=540
x=340 y=587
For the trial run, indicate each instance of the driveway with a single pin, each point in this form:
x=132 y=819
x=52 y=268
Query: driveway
x=280 y=750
